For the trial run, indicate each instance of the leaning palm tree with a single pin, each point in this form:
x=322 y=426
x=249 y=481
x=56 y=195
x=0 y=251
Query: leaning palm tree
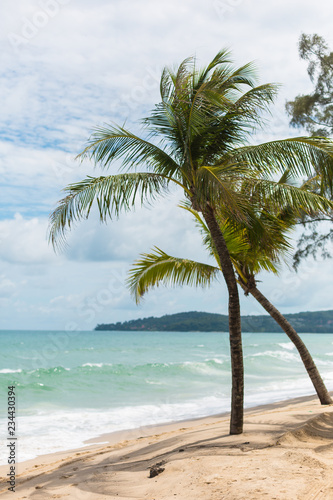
x=252 y=250
x=196 y=138
x=266 y=247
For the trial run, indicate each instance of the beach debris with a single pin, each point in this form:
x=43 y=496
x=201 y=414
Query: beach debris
x=156 y=469
x=181 y=449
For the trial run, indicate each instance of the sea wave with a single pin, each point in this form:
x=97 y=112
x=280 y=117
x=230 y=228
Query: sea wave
x=8 y=370
x=98 y=365
x=215 y=360
x=56 y=428
x=287 y=345
x=282 y=355
x=209 y=365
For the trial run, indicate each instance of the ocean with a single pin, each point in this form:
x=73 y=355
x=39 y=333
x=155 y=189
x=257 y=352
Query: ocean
x=74 y=386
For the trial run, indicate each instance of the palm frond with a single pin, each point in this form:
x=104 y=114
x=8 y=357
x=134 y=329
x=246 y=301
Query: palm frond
x=108 y=143
x=301 y=156
x=166 y=85
x=157 y=268
x=112 y=194
x=250 y=105
x=219 y=190
x=219 y=103
x=244 y=75
x=278 y=196
x=222 y=57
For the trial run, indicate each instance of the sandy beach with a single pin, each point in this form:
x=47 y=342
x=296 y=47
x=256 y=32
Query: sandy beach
x=286 y=452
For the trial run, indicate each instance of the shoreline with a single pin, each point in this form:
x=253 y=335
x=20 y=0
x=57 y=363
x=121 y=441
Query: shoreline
x=116 y=436
x=113 y=437
x=199 y=449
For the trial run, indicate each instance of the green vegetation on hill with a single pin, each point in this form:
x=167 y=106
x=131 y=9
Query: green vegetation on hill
x=304 y=322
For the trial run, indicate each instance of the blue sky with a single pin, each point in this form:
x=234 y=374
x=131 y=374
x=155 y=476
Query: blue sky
x=69 y=65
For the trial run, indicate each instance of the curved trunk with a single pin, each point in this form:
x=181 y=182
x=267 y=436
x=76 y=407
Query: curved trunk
x=309 y=364
x=235 y=336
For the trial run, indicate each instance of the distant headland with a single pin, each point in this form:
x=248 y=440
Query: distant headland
x=303 y=322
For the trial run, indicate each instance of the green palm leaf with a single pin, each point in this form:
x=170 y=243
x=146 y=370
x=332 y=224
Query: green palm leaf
x=108 y=143
x=112 y=194
x=223 y=57
x=301 y=156
x=157 y=268
x=282 y=195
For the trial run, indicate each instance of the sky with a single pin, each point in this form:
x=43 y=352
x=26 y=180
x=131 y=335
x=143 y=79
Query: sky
x=69 y=66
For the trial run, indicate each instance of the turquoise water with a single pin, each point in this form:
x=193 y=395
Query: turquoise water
x=73 y=386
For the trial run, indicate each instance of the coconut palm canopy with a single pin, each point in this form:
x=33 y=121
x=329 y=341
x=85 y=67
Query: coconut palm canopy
x=197 y=138
x=202 y=124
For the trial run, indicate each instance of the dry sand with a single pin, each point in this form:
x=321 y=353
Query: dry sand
x=286 y=452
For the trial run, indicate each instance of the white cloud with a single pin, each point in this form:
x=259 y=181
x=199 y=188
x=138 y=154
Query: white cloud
x=23 y=241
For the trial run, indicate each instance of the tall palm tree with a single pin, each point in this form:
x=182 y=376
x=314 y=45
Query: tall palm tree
x=196 y=138
x=252 y=249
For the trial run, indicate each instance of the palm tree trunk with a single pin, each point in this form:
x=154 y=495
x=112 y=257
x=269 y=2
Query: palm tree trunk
x=309 y=364
x=235 y=335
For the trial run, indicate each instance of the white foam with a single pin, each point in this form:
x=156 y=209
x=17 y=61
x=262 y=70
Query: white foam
x=216 y=360
x=287 y=345
x=97 y=365
x=283 y=355
x=202 y=368
x=8 y=370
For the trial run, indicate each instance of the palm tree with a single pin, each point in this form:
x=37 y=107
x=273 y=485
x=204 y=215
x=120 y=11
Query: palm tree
x=196 y=138
x=252 y=250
